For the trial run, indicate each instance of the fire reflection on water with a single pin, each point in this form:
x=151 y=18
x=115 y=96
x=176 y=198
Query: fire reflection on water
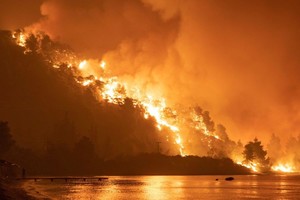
x=174 y=187
x=156 y=189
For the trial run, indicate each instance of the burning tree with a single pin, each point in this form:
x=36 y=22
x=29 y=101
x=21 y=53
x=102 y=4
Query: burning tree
x=255 y=156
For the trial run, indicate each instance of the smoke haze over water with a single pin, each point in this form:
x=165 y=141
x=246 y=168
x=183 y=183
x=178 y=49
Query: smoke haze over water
x=237 y=59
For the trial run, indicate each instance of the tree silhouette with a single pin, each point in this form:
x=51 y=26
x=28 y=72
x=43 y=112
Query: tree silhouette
x=6 y=140
x=254 y=153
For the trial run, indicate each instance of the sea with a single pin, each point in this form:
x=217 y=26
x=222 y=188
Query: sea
x=169 y=187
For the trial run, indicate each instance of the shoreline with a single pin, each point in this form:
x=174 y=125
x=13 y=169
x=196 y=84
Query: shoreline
x=13 y=189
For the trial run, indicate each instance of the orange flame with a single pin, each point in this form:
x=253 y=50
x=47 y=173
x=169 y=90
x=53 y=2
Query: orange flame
x=20 y=38
x=287 y=168
x=251 y=165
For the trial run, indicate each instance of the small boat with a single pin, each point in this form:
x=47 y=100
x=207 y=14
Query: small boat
x=229 y=179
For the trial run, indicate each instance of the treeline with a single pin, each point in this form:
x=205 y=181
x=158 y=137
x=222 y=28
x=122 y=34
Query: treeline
x=82 y=159
x=158 y=164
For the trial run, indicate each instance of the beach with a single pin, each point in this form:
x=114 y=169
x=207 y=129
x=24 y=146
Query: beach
x=13 y=189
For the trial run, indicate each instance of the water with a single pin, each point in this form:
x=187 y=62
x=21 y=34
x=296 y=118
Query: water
x=171 y=187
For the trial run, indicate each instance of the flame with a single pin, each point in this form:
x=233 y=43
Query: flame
x=251 y=165
x=82 y=64
x=87 y=82
x=20 y=38
x=287 y=168
x=114 y=92
x=200 y=125
x=103 y=65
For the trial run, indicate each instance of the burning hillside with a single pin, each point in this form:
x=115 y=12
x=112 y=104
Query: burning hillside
x=176 y=129
x=190 y=129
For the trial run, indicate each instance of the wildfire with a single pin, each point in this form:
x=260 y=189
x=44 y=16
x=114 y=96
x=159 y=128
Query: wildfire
x=20 y=38
x=87 y=82
x=82 y=64
x=287 y=168
x=115 y=91
x=200 y=125
x=103 y=65
x=252 y=165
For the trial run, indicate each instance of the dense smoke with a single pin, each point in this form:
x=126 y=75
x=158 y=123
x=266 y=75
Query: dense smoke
x=237 y=59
